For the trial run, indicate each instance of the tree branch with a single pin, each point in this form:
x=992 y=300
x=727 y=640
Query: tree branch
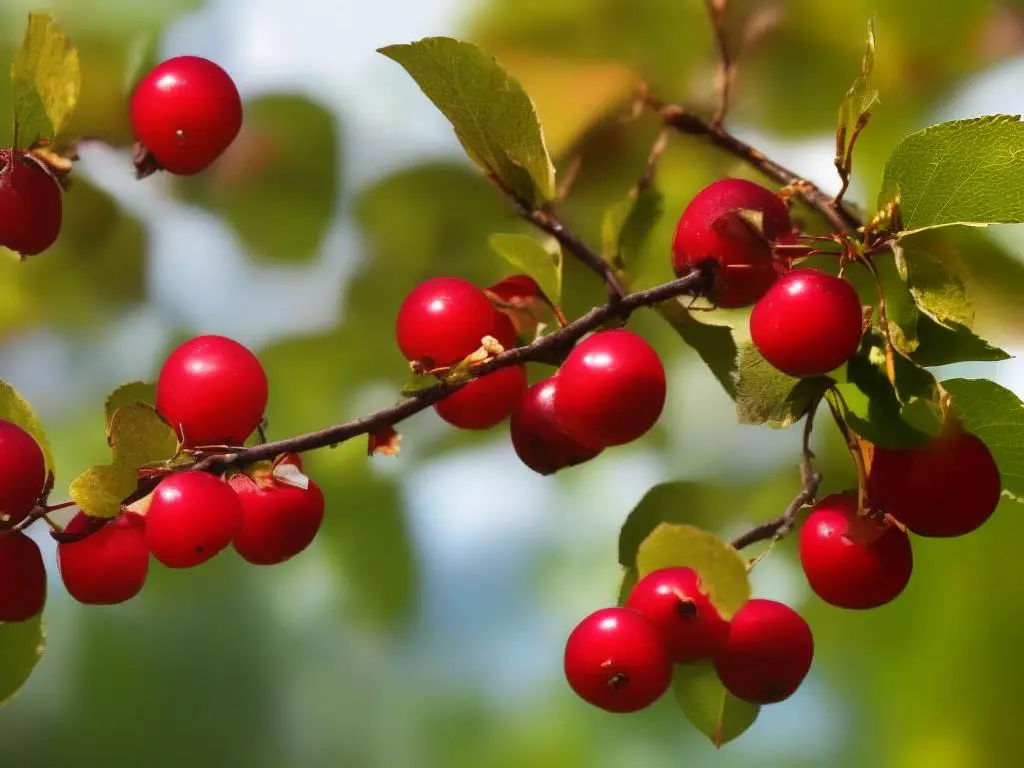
x=539 y=349
x=779 y=527
x=691 y=124
x=546 y=221
x=726 y=65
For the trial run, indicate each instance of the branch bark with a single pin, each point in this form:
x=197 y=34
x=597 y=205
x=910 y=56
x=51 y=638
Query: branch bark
x=691 y=124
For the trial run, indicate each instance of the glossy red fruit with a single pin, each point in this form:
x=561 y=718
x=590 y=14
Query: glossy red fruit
x=808 y=323
x=443 y=319
x=278 y=520
x=611 y=389
x=688 y=622
x=22 y=577
x=108 y=566
x=949 y=487
x=186 y=112
x=30 y=204
x=192 y=516
x=538 y=438
x=484 y=402
x=22 y=473
x=851 y=561
x=212 y=391
x=710 y=230
x=615 y=660
x=767 y=653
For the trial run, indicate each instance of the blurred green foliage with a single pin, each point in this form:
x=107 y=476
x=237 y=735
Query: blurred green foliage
x=350 y=655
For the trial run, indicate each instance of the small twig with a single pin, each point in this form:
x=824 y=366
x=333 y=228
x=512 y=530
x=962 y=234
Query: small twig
x=546 y=221
x=778 y=528
x=654 y=156
x=883 y=321
x=691 y=124
x=844 y=165
x=726 y=65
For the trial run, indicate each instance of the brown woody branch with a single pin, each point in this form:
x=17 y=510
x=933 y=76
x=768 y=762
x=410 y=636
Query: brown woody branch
x=779 y=527
x=688 y=123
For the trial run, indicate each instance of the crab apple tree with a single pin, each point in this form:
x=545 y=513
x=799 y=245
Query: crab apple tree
x=808 y=310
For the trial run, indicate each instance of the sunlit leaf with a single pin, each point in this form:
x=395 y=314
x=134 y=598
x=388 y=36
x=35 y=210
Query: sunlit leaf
x=528 y=256
x=14 y=408
x=491 y=113
x=722 y=570
x=46 y=80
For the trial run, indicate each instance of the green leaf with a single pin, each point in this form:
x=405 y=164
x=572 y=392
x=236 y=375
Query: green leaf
x=628 y=223
x=859 y=99
x=14 y=408
x=126 y=394
x=960 y=172
x=492 y=114
x=722 y=570
x=944 y=345
x=996 y=415
x=21 y=648
x=873 y=408
x=46 y=80
x=138 y=437
x=938 y=288
x=629 y=580
x=714 y=343
x=528 y=256
x=708 y=705
x=666 y=502
x=765 y=395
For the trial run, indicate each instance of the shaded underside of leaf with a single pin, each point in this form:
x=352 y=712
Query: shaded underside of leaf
x=21 y=648
x=708 y=705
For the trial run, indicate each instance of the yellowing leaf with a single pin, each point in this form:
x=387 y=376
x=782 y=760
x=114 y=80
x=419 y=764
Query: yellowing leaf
x=138 y=437
x=492 y=114
x=132 y=392
x=46 y=79
x=722 y=570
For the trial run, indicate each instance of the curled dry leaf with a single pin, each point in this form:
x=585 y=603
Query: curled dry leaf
x=384 y=441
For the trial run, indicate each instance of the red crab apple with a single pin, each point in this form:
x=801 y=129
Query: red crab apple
x=611 y=389
x=191 y=517
x=767 y=653
x=185 y=113
x=30 y=204
x=851 y=561
x=949 y=487
x=22 y=577
x=443 y=320
x=537 y=437
x=615 y=660
x=279 y=519
x=712 y=230
x=22 y=473
x=486 y=401
x=212 y=391
x=108 y=566
x=808 y=323
x=689 y=624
